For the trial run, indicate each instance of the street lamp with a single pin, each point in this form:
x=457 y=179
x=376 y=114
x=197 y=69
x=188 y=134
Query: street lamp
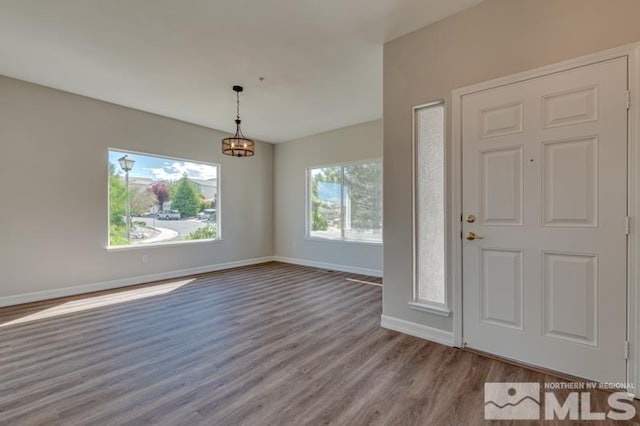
x=126 y=164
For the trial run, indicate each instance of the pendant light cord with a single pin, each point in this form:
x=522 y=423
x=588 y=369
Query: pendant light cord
x=237 y=106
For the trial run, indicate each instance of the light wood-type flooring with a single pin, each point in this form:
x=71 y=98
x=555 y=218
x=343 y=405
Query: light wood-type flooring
x=270 y=344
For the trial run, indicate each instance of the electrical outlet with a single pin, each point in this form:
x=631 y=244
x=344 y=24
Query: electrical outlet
x=145 y=258
x=293 y=245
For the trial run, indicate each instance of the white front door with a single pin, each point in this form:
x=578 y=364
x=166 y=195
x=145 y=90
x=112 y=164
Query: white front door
x=545 y=175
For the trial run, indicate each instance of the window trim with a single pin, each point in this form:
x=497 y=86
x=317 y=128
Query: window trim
x=128 y=247
x=308 y=209
x=441 y=309
x=162 y=245
x=432 y=308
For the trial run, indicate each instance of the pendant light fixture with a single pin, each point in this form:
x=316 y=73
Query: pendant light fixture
x=237 y=145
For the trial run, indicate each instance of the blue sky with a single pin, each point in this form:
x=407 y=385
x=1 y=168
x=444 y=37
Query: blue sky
x=159 y=168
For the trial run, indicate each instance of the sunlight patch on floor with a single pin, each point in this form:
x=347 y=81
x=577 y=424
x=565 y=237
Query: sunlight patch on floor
x=353 y=280
x=101 y=301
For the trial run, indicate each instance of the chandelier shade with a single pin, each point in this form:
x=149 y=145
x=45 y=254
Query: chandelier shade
x=238 y=145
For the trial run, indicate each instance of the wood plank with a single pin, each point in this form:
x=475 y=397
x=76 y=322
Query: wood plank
x=270 y=344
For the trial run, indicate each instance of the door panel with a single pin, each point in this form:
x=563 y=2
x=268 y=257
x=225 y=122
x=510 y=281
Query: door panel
x=570 y=288
x=570 y=107
x=545 y=173
x=501 y=292
x=501 y=186
x=500 y=120
x=570 y=182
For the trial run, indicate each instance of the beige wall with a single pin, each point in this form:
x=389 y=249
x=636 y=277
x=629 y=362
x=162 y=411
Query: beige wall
x=360 y=142
x=495 y=38
x=53 y=175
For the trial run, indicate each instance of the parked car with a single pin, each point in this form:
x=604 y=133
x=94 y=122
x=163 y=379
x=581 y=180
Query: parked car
x=207 y=214
x=169 y=215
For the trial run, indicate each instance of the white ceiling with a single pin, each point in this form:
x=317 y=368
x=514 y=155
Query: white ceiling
x=321 y=59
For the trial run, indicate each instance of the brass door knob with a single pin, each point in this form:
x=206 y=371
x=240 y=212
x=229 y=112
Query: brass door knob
x=473 y=236
x=470 y=218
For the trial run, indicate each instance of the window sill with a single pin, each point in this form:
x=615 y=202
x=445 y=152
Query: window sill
x=338 y=240
x=432 y=309
x=160 y=245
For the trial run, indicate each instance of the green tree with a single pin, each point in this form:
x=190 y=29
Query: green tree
x=207 y=232
x=362 y=192
x=172 y=187
x=187 y=198
x=117 y=208
x=363 y=189
x=319 y=221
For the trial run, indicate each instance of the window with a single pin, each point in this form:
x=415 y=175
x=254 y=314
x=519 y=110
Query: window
x=345 y=202
x=158 y=200
x=430 y=226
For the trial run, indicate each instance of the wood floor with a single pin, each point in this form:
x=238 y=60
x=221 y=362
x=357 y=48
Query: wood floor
x=270 y=344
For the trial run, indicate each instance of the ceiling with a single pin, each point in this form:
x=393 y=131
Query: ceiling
x=321 y=59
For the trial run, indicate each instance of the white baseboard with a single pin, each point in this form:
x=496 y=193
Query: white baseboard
x=417 y=330
x=124 y=282
x=330 y=266
x=142 y=279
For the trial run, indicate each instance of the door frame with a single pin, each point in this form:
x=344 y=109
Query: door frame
x=632 y=52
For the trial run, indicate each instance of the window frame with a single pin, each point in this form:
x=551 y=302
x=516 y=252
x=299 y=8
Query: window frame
x=432 y=307
x=308 y=202
x=218 y=222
